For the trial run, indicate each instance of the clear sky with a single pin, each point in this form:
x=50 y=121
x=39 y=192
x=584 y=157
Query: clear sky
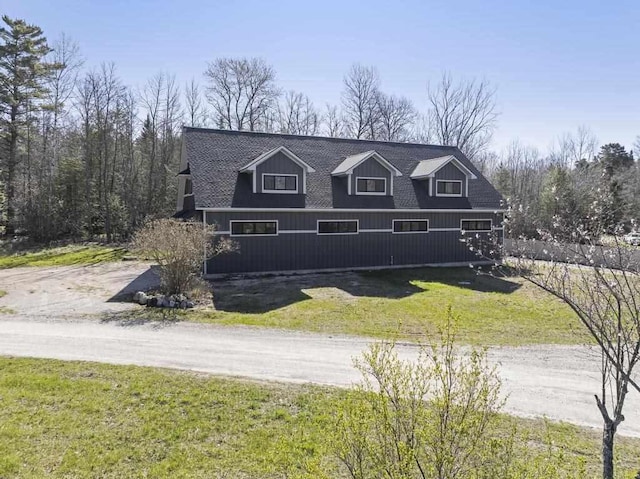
x=556 y=64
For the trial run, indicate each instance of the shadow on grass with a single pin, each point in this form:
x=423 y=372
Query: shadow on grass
x=158 y=317
x=263 y=294
x=147 y=281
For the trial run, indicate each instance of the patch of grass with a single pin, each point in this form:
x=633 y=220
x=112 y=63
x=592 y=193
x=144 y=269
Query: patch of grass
x=63 y=256
x=2 y=293
x=85 y=420
x=408 y=304
x=7 y=310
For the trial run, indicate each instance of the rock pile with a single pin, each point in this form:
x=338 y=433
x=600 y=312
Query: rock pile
x=161 y=301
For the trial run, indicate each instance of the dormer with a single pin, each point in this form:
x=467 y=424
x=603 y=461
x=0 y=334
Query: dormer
x=278 y=171
x=367 y=173
x=446 y=176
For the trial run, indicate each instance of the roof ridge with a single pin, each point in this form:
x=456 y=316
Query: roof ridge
x=315 y=137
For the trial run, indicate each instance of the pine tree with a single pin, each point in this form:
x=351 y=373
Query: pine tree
x=22 y=75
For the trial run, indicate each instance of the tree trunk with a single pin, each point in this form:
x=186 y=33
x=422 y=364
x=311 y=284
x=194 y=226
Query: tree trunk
x=608 y=436
x=10 y=175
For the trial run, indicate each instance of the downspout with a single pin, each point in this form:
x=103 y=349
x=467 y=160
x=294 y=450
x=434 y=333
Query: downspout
x=204 y=235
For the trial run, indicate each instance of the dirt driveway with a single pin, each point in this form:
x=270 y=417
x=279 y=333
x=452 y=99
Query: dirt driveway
x=73 y=291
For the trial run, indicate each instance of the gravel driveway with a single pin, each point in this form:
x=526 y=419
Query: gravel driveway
x=52 y=305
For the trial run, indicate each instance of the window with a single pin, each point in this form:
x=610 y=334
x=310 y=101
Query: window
x=410 y=226
x=188 y=187
x=475 y=225
x=280 y=183
x=255 y=228
x=338 y=227
x=449 y=188
x=371 y=186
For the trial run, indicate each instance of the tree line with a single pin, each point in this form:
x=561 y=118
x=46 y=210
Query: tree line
x=85 y=155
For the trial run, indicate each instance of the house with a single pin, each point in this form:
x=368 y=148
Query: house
x=296 y=203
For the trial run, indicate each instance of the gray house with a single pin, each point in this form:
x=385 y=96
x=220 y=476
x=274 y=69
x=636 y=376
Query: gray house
x=296 y=203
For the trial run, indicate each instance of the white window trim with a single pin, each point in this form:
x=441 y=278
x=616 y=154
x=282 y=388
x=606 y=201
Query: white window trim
x=476 y=231
x=334 y=221
x=371 y=193
x=290 y=192
x=393 y=226
x=449 y=181
x=253 y=221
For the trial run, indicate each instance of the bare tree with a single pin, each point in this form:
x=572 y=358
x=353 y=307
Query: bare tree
x=333 y=121
x=570 y=149
x=297 y=115
x=396 y=116
x=196 y=114
x=462 y=114
x=241 y=91
x=359 y=102
x=602 y=286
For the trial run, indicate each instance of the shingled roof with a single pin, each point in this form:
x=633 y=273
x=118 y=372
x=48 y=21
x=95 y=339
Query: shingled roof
x=215 y=158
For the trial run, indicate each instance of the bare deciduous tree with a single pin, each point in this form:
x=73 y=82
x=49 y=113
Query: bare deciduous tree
x=462 y=114
x=297 y=115
x=195 y=112
x=240 y=91
x=333 y=121
x=359 y=102
x=396 y=116
x=570 y=148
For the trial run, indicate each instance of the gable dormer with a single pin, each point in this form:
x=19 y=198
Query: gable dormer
x=278 y=171
x=367 y=173
x=446 y=176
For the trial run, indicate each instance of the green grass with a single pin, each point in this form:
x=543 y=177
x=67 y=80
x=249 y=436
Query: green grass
x=63 y=256
x=85 y=420
x=2 y=293
x=409 y=304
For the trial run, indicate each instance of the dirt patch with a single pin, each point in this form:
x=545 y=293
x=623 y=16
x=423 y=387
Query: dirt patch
x=74 y=291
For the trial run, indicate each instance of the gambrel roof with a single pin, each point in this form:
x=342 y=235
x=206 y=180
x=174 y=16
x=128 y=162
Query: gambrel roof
x=217 y=159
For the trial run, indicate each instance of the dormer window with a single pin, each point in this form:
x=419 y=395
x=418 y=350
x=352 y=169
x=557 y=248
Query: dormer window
x=448 y=188
x=278 y=171
x=279 y=183
x=367 y=173
x=446 y=176
x=371 y=186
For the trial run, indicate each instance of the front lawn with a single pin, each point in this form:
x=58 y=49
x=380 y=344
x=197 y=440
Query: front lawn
x=86 y=420
x=62 y=256
x=408 y=304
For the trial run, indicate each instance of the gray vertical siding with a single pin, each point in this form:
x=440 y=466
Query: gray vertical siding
x=370 y=168
x=303 y=249
x=278 y=163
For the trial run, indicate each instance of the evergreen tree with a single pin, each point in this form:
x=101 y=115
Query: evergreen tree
x=22 y=75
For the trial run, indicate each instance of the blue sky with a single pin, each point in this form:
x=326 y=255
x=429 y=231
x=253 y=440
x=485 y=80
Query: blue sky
x=556 y=64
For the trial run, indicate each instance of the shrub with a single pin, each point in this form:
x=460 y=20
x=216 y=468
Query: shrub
x=179 y=248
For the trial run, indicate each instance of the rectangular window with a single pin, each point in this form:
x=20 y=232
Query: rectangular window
x=475 y=225
x=410 y=226
x=449 y=188
x=371 y=186
x=188 y=187
x=262 y=228
x=280 y=183
x=338 y=227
